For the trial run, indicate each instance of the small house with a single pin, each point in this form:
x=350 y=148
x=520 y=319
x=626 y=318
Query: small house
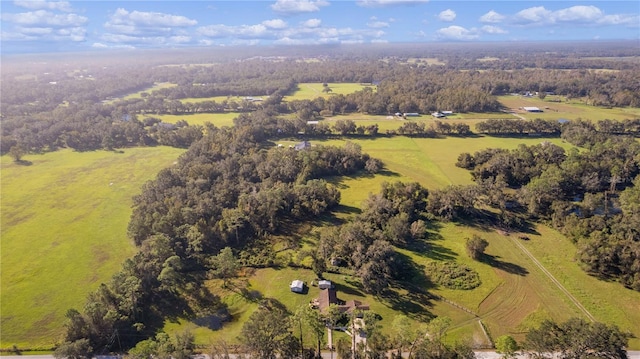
x=325 y=284
x=297 y=286
x=302 y=145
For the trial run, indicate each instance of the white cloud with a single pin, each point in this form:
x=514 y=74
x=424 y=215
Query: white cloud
x=258 y=31
x=311 y=23
x=42 y=4
x=578 y=15
x=533 y=15
x=492 y=17
x=42 y=18
x=620 y=19
x=493 y=30
x=376 y=24
x=291 y=7
x=382 y=3
x=146 y=28
x=447 y=15
x=99 y=45
x=456 y=33
x=275 y=24
x=124 y=19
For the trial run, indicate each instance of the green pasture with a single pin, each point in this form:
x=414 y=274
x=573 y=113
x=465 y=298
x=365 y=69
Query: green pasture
x=429 y=161
x=312 y=90
x=217 y=119
x=556 y=107
x=608 y=302
x=63 y=232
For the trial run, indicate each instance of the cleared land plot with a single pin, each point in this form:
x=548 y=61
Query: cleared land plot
x=557 y=110
x=312 y=90
x=217 y=119
x=64 y=223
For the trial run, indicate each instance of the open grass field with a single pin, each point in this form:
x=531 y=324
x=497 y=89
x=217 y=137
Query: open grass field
x=217 y=119
x=575 y=109
x=63 y=232
x=312 y=90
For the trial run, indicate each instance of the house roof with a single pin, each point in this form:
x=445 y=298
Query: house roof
x=327 y=296
x=297 y=284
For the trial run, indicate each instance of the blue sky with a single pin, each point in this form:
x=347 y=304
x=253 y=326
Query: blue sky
x=45 y=26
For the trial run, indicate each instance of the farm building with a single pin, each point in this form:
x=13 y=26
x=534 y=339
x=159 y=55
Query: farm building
x=438 y=115
x=297 y=286
x=411 y=114
x=302 y=145
x=532 y=109
x=325 y=284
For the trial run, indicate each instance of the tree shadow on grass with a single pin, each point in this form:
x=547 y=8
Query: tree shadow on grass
x=413 y=305
x=511 y=268
x=351 y=290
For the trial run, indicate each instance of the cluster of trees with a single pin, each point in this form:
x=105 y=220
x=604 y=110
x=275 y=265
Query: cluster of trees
x=590 y=195
x=541 y=127
x=394 y=217
x=519 y=127
x=575 y=338
x=269 y=333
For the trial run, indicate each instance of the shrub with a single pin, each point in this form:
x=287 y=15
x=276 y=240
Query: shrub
x=453 y=275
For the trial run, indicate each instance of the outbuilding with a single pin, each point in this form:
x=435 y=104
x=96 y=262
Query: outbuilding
x=325 y=284
x=297 y=286
x=532 y=109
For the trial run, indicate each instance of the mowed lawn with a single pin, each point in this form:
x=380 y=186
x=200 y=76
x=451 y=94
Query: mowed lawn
x=64 y=222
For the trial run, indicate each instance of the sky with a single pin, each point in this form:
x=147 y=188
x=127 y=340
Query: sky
x=29 y=26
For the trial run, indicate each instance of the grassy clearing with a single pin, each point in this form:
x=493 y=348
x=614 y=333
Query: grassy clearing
x=569 y=110
x=426 y=160
x=312 y=90
x=608 y=302
x=64 y=221
x=217 y=119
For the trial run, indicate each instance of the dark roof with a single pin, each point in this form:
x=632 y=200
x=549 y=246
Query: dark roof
x=327 y=296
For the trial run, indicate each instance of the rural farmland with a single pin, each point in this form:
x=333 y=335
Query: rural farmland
x=180 y=199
